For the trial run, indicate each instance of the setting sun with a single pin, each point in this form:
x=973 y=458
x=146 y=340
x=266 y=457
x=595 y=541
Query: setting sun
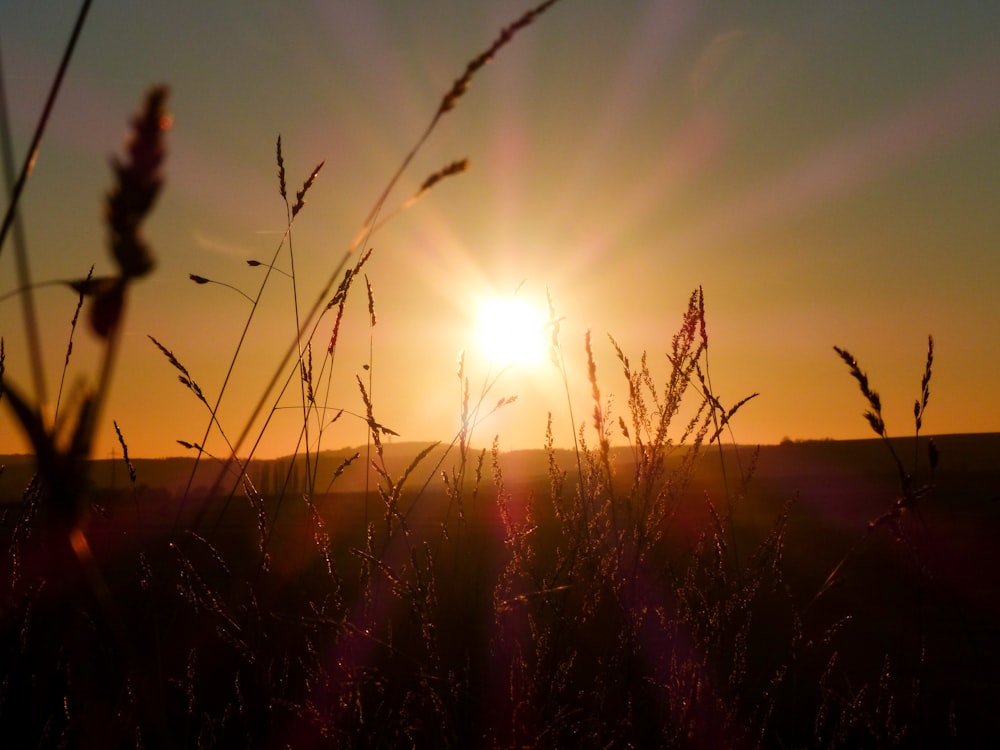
x=426 y=446
x=511 y=331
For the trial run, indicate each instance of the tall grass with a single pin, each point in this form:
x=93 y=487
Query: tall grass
x=616 y=603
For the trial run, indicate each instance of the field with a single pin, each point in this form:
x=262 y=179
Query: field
x=479 y=624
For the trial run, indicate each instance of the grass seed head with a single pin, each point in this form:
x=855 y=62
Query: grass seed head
x=456 y=167
x=138 y=182
x=300 y=196
x=461 y=84
x=281 y=171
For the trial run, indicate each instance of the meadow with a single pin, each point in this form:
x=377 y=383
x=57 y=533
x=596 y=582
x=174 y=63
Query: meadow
x=653 y=585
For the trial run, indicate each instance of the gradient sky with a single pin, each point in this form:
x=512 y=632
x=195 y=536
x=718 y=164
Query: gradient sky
x=828 y=172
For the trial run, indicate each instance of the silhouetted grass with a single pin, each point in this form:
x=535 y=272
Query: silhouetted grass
x=617 y=602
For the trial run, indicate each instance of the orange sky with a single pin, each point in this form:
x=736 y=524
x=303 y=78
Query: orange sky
x=827 y=173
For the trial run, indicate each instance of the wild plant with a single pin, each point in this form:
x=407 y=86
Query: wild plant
x=879 y=707
x=909 y=492
x=209 y=587
x=620 y=605
x=138 y=181
x=598 y=558
x=309 y=321
x=57 y=585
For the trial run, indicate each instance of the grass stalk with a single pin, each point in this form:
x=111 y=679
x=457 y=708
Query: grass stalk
x=310 y=321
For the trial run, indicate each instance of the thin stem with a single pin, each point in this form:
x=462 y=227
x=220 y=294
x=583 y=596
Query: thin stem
x=225 y=383
x=31 y=287
x=21 y=251
x=310 y=322
x=569 y=407
x=36 y=139
x=12 y=216
x=310 y=480
x=69 y=350
x=714 y=408
x=202 y=280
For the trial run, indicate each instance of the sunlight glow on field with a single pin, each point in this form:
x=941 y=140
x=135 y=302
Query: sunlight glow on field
x=511 y=331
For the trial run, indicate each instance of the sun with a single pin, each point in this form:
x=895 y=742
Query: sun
x=511 y=331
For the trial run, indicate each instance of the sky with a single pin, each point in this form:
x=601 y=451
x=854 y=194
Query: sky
x=826 y=172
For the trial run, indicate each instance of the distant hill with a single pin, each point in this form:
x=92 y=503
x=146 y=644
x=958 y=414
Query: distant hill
x=975 y=457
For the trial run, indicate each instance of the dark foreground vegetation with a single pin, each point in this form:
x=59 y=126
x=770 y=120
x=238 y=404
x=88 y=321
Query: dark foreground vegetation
x=517 y=613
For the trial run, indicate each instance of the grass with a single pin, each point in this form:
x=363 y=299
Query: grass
x=618 y=603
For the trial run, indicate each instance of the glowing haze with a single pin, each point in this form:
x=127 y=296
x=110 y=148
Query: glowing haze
x=828 y=173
